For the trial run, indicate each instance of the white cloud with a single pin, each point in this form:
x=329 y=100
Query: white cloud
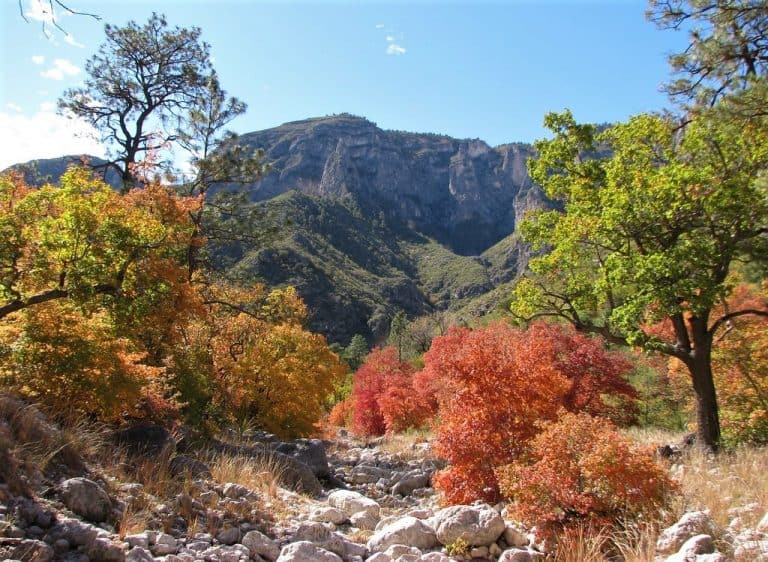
x=39 y=11
x=13 y=107
x=38 y=59
x=48 y=107
x=45 y=135
x=379 y=26
x=70 y=39
x=390 y=38
x=60 y=69
x=395 y=49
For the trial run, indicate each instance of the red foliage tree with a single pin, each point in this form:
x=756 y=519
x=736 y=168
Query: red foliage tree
x=383 y=395
x=494 y=383
x=580 y=472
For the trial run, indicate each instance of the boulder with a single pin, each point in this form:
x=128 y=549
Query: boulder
x=104 y=550
x=408 y=531
x=397 y=550
x=311 y=452
x=145 y=439
x=259 y=544
x=690 y=524
x=516 y=555
x=87 y=499
x=353 y=502
x=364 y=520
x=434 y=557
x=515 y=536
x=324 y=514
x=319 y=534
x=410 y=482
x=139 y=554
x=164 y=544
x=27 y=550
x=478 y=525
x=304 y=551
x=183 y=466
x=228 y=536
x=77 y=533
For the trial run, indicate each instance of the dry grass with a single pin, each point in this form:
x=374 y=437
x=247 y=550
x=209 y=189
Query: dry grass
x=132 y=522
x=42 y=446
x=261 y=474
x=730 y=480
x=153 y=473
x=407 y=446
x=582 y=545
x=653 y=436
x=360 y=536
x=636 y=543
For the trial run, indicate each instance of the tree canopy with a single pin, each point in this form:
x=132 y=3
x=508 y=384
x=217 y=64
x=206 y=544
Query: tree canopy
x=81 y=239
x=648 y=232
x=727 y=49
x=140 y=86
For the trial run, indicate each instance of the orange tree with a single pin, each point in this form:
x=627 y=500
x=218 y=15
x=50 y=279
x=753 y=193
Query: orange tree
x=740 y=368
x=494 y=383
x=579 y=471
x=83 y=241
x=79 y=265
x=383 y=396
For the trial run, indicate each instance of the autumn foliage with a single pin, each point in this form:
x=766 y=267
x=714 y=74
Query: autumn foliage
x=342 y=413
x=383 y=395
x=76 y=363
x=494 y=384
x=580 y=472
x=101 y=315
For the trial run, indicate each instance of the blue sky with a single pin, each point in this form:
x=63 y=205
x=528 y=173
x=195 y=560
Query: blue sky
x=476 y=69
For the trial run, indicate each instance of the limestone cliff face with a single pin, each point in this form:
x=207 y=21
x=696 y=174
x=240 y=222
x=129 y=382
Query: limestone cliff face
x=463 y=193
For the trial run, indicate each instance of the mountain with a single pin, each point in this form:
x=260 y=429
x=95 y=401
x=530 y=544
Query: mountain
x=370 y=221
x=373 y=221
x=45 y=170
x=463 y=193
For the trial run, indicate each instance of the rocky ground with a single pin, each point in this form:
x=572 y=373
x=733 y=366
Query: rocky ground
x=345 y=500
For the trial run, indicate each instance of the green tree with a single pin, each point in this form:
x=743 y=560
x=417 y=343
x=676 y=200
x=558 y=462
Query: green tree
x=217 y=158
x=398 y=331
x=647 y=231
x=140 y=86
x=727 y=50
x=84 y=242
x=355 y=352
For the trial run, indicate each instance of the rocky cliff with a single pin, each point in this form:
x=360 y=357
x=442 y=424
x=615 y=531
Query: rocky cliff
x=463 y=193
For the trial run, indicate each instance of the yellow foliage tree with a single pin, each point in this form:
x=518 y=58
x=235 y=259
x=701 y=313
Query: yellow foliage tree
x=76 y=363
x=262 y=365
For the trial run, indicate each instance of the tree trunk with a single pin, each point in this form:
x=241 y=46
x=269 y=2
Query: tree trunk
x=707 y=416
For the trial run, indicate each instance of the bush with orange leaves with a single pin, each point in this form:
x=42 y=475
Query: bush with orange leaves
x=580 y=472
x=383 y=395
x=342 y=413
x=494 y=383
